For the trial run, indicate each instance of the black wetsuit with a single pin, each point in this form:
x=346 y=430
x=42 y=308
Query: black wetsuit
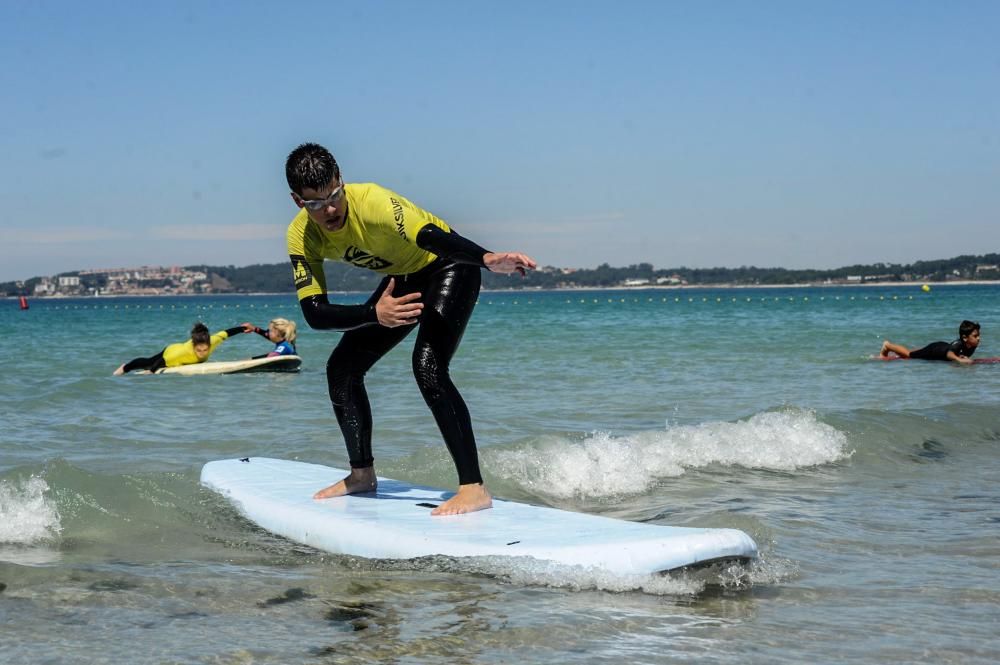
x=150 y=364
x=939 y=350
x=449 y=288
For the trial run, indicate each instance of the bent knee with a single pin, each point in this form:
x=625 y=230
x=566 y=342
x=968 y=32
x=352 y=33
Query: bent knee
x=341 y=381
x=428 y=369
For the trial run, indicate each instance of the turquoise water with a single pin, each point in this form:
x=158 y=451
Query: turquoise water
x=869 y=486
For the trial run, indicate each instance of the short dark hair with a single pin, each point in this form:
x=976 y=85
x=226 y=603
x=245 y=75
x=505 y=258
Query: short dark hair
x=966 y=328
x=199 y=334
x=310 y=166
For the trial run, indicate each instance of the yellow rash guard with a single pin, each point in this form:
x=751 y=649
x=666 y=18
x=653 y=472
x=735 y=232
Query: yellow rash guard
x=379 y=234
x=182 y=353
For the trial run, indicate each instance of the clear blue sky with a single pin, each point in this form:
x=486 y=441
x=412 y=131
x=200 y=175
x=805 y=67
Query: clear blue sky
x=795 y=134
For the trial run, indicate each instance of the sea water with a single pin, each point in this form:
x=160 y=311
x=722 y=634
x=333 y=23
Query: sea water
x=870 y=487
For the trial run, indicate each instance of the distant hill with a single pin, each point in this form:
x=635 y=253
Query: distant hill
x=276 y=277
x=342 y=277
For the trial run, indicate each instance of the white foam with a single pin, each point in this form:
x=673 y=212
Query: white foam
x=528 y=571
x=27 y=516
x=605 y=465
x=525 y=571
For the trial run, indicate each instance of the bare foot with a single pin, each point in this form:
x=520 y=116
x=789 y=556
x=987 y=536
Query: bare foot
x=119 y=371
x=468 y=499
x=885 y=349
x=359 y=482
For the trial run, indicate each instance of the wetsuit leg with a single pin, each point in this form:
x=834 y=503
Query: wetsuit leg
x=449 y=298
x=151 y=364
x=350 y=360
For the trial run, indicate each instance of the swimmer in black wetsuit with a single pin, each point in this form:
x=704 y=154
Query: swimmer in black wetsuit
x=431 y=284
x=959 y=351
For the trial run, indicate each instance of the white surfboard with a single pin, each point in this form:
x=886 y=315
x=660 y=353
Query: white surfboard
x=271 y=364
x=395 y=523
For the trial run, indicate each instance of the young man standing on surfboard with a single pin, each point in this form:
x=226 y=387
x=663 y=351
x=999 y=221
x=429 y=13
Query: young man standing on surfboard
x=432 y=279
x=959 y=351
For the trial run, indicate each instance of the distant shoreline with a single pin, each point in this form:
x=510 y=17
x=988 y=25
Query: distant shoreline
x=644 y=287
x=678 y=287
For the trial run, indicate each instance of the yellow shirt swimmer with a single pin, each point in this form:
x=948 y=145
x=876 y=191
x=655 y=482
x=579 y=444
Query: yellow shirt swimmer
x=379 y=234
x=195 y=350
x=183 y=353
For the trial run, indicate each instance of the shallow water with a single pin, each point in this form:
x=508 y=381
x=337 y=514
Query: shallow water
x=870 y=487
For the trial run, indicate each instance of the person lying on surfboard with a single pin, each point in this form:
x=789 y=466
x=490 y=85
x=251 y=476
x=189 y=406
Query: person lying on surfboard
x=959 y=351
x=281 y=332
x=193 y=351
x=431 y=284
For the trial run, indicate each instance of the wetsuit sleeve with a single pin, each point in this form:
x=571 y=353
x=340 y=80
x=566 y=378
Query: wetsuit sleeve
x=320 y=314
x=263 y=333
x=217 y=339
x=449 y=245
x=310 y=285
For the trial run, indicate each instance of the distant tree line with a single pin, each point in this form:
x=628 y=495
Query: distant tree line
x=342 y=277
x=277 y=277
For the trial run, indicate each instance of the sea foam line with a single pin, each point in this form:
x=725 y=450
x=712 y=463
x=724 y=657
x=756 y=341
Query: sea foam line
x=607 y=465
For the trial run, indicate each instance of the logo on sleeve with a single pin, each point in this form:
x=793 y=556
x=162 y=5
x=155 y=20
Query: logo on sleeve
x=362 y=259
x=397 y=215
x=301 y=272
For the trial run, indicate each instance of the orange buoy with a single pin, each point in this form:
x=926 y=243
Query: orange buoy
x=24 y=302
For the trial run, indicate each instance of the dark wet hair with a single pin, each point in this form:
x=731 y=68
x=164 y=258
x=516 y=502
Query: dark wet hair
x=310 y=166
x=199 y=334
x=966 y=328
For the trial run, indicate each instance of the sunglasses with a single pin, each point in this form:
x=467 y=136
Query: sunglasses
x=315 y=205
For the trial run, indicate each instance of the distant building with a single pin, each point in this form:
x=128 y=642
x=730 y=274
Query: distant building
x=46 y=287
x=145 y=280
x=672 y=280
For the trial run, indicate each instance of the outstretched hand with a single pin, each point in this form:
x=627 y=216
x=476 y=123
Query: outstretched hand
x=508 y=262
x=248 y=327
x=402 y=311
